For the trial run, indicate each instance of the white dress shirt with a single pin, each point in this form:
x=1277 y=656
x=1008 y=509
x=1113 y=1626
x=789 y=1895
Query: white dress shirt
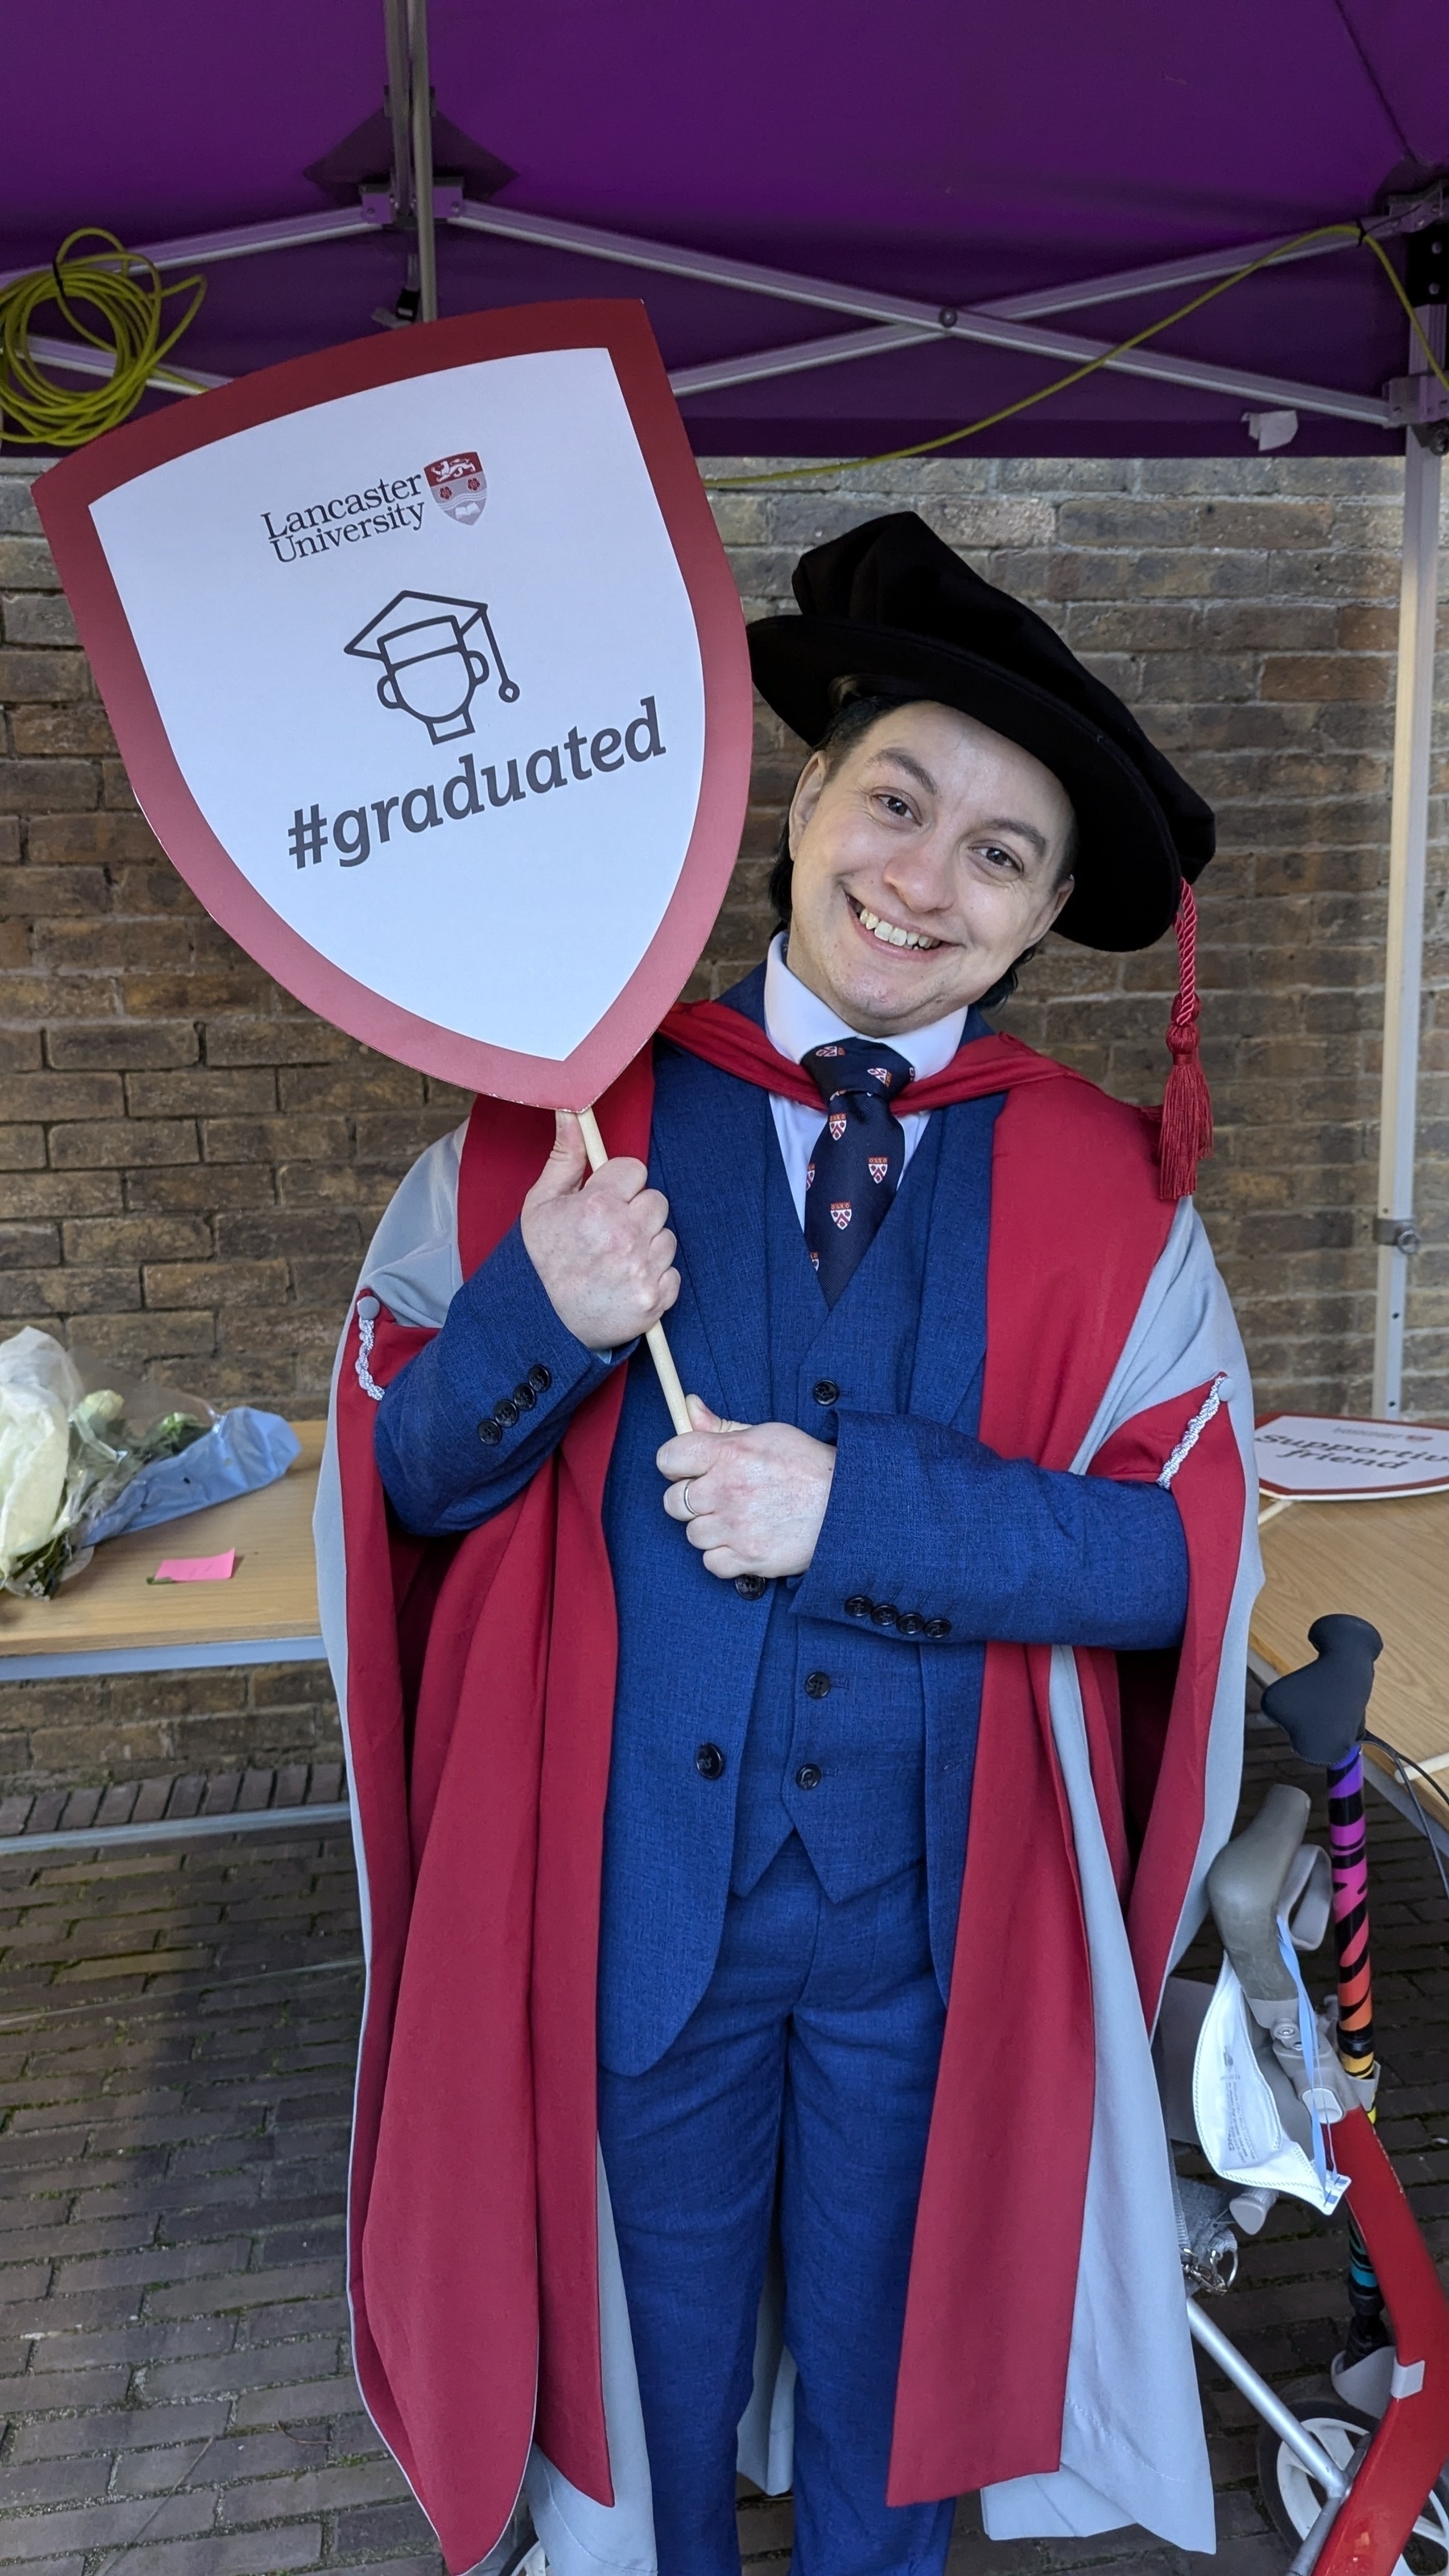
x=797 y=1020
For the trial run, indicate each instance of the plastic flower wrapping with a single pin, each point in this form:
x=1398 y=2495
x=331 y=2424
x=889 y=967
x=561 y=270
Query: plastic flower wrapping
x=86 y=1452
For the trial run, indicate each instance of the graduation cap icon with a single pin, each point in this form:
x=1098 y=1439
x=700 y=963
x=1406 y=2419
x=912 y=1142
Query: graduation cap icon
x=431 y=651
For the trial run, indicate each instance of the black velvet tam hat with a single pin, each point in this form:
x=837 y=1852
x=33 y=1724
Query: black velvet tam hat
x=891 y=609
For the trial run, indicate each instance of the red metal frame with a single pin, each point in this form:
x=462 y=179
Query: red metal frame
x=64 y=497
x=1411 y=2444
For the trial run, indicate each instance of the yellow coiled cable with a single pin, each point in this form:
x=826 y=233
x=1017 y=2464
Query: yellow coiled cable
x=122 y=291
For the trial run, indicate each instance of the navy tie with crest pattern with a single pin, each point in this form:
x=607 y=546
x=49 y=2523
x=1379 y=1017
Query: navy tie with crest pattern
x=858 y=1156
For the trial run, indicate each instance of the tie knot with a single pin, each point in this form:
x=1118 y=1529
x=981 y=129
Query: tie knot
x=855 y=1066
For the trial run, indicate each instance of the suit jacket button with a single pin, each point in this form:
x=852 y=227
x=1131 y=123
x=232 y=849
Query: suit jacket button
x=524 y=1397
x=938 y=1627
x=858 y=1606
x=506 y=1412
x=884 y=1614
x=709 y=1762
x=808 y=1776
x=540 y=1378
x=817 y=1685
x=825 y=1391
x=911 y=1624
x=490 y=1433
x=749 y=1586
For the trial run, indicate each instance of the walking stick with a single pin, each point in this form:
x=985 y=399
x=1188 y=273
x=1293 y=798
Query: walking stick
x=1329 y=1732
x=1348 y=1855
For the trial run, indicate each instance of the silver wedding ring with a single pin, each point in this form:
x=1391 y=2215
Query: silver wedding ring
x=684 y=1498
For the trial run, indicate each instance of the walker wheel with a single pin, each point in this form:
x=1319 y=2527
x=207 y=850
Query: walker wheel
x=1293 y=2499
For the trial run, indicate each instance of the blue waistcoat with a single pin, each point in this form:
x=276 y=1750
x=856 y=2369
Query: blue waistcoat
x=835 y=1746
x=706 y=1673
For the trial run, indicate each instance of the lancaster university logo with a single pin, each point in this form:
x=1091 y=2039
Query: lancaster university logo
x=393 y=506
x=459 y=485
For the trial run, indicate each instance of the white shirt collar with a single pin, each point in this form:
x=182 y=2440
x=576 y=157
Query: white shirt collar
x=797 y=1020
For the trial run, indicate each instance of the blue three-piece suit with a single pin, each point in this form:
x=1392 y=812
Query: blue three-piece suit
x=791 y=1775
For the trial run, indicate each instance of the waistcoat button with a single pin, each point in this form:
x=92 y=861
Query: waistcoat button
x=808 y=1776
x=749 y=1586
x=817 y=1685
x=825 y=1391
x=709 y=1762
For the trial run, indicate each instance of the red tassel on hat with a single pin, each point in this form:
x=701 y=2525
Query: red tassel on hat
x=1187 y=1109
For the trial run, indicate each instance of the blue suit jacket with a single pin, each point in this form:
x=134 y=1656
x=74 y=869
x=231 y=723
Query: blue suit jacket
x=921 y=1517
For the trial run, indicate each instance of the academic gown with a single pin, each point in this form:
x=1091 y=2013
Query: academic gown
x=1046 y=2354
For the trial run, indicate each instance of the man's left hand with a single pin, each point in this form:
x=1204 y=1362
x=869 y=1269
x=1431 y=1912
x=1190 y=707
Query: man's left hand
x=757 y=1496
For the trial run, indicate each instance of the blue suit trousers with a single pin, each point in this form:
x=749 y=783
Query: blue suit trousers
x=802 y=2082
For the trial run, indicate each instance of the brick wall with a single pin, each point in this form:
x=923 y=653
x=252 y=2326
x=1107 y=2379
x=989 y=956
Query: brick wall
x=1247 y=612
x=191 y=1163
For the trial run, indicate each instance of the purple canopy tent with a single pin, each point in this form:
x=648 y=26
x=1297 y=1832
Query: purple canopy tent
x=852 y=232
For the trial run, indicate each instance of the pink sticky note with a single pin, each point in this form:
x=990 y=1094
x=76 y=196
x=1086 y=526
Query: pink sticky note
x=196 y=1569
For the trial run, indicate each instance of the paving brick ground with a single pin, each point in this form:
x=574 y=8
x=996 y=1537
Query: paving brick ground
x=176 y=2043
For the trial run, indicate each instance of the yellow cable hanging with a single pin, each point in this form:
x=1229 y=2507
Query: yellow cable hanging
x=124 y=289
x=1397 y=283
x=1119 y=349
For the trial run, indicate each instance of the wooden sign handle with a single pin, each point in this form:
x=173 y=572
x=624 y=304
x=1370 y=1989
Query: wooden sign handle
x=659 y=1350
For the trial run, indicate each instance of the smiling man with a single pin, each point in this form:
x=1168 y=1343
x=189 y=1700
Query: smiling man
x=884 y=1723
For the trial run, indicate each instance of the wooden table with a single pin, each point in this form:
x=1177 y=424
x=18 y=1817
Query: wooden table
x=111 y=1620
x=1387 y=1562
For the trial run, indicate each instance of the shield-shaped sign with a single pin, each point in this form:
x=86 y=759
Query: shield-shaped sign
x=468 y=782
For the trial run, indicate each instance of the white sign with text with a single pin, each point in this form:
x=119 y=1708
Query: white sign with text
x=1318 y=1458
x=432 y=671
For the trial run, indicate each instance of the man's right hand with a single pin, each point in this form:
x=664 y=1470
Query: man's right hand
x=600 y=1243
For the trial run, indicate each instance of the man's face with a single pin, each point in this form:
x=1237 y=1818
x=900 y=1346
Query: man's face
x=925 y=862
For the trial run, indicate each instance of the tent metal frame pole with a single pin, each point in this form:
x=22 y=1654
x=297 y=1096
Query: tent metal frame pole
x=80 y=361
x=399 y=106
x=965 y=322
x=841 y=348
x=795 y=358
x=1272 y=393
x=1115 y=286
x=714 y=374
x=1395 y=1231
x=244 y=241
x=1004 y=322
x=422 y=142
x=239 y=241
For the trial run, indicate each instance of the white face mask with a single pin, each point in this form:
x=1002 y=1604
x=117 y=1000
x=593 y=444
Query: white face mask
x=1247 y=2109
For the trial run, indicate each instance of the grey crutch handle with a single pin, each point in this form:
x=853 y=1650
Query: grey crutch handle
x=1244 y=1887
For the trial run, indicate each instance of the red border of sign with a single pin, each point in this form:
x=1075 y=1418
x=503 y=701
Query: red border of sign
x=1351 y=1493
x=64 y=497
